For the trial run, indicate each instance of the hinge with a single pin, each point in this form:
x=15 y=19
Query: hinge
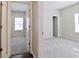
x=29 y=43
x=29 y=9
x=29 y=26
x=1 y=3
x=0 y=49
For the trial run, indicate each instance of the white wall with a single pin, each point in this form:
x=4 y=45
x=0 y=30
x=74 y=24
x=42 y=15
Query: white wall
x=42 y=14
x=35 y=28
x=67 y=26
x=48 y=13
x=21 y=32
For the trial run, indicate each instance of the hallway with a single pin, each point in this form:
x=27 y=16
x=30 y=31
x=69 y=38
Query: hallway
x=60 y=48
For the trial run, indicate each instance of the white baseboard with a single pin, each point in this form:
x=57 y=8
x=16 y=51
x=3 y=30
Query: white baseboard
x=8 y=56
x=33 y=54
x=69 y=37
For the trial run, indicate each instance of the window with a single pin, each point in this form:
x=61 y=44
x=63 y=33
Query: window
x=18 y=23
x=27 y=22
x=76 y=22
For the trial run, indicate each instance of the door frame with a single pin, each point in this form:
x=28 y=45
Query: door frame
x=9 y=26
x=4 y=38
x=54 y=25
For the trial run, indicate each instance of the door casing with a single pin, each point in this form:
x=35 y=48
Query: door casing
x=55 y=26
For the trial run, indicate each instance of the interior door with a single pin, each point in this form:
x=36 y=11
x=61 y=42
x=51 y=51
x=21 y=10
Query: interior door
x=0 y=26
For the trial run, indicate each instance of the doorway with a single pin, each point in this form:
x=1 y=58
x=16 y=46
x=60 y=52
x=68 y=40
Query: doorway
x=55 y=26
x=19 y=28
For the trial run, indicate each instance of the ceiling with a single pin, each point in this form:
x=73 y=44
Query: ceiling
x=16 y=6
x=59 y=4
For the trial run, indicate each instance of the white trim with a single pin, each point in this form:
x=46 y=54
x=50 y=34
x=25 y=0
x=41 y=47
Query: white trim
x=8 y=56
x=30 y=30
x=4 y=53
x=33 y=54
x=9 y=29
x=69 y=37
